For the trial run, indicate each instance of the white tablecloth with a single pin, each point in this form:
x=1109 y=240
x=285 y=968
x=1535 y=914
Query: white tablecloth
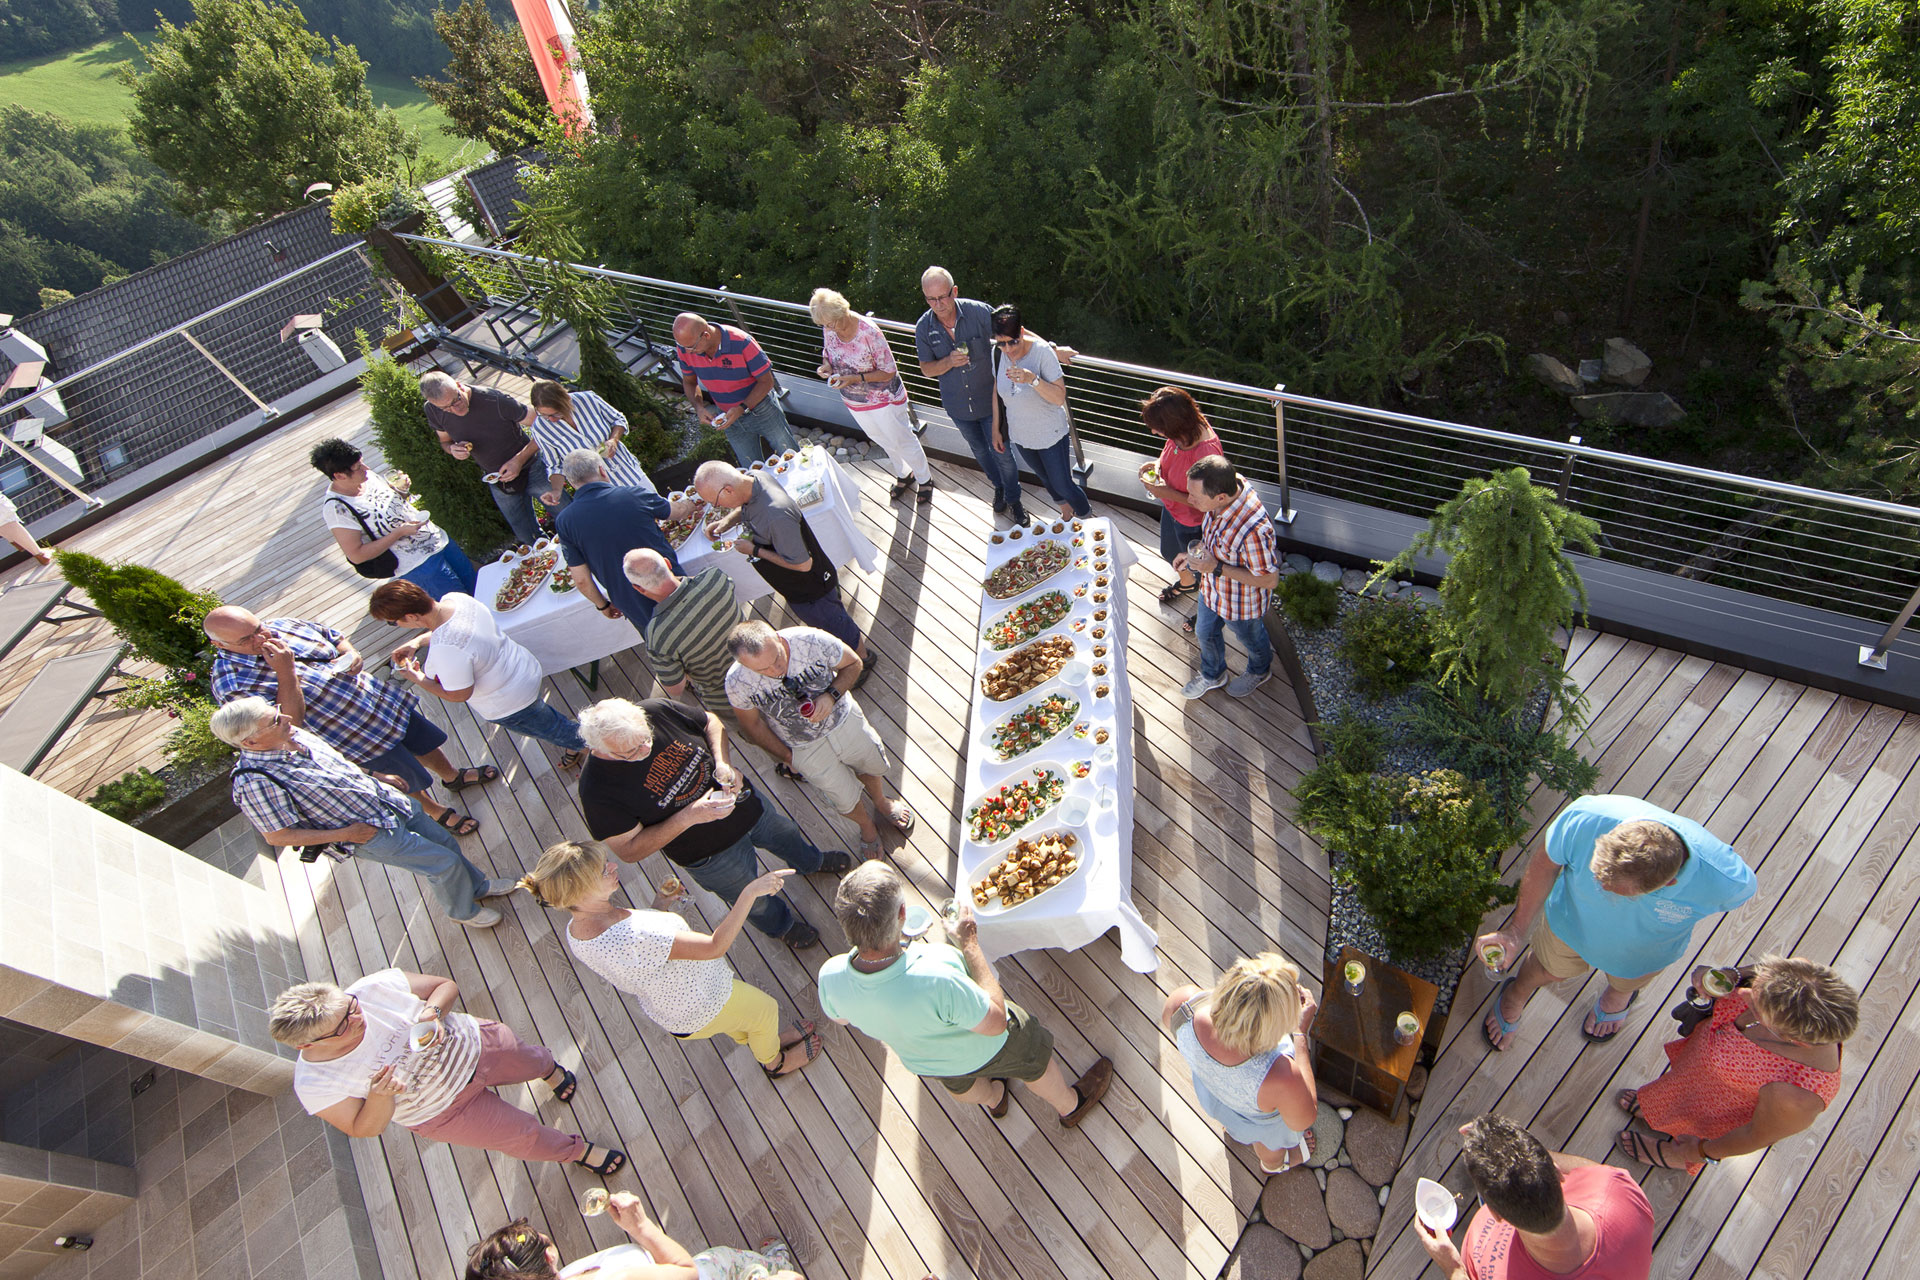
x=835 y=495
x=1099 y=895
x=561 y=629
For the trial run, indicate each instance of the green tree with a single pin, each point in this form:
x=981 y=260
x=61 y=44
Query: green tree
x=157 y=617
x=491 y=83
x=450 y=489
x=245 y=108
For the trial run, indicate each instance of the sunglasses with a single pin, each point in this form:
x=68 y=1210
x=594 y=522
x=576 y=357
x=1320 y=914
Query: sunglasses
x=1006 y=342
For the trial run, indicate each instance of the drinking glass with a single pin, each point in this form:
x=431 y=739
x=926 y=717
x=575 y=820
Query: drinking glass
x=1355 y=976
x=593 y=1201
x=1406 y=1028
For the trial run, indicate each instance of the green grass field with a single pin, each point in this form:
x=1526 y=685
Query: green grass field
x=81 y=86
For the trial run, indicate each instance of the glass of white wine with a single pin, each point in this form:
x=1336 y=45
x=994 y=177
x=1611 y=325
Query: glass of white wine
x=593 y=1201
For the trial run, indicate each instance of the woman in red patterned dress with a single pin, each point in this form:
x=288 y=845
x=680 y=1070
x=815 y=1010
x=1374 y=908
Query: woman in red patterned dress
x=1761 y=1067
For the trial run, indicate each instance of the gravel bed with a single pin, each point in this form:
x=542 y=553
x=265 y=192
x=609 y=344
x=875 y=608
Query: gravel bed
x=1334 y=692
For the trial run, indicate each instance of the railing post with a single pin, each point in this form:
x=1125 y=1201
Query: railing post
x=734 y=307
x=1566 y=471
x=1286 y=513
x=1875 y=656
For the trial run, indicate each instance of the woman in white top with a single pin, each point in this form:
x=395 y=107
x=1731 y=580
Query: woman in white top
x=369 y=518
x=469 y=660
x=518 y=1252
x=678 y=976
x=567 y=420
x=359 y=1070
x=857 y=362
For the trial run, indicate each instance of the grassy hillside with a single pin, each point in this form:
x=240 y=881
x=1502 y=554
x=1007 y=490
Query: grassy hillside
x=81 y=87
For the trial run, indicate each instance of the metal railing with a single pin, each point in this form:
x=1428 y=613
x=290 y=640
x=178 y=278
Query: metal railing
x=194 y=378
x=1843 y=553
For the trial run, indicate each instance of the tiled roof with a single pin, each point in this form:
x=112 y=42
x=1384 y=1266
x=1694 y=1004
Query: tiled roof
x=496 y=189
x=168 y=394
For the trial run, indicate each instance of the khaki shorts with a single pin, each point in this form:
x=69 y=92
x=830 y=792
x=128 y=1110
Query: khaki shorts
x=1024 y=1056
x=832 y=764
x=1562 y=961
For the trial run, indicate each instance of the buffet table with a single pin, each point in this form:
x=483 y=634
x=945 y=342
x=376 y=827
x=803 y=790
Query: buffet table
x=561 y=629
x=1091 y=753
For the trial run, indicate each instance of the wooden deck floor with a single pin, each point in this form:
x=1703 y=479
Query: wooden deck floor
x=874 y=1176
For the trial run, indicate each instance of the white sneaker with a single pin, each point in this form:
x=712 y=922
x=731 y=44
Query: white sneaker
x=485 y=918
x=497 y=888
x=1242 y=685
x=1200 y=686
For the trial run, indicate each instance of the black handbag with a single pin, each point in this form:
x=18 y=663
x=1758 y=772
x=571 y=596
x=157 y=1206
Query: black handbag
x=384 y=565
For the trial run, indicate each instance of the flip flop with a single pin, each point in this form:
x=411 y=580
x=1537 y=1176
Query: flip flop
x=1507 y=1029
x=870 y=850
x=1600 y=1015
x=1645 y=1148
x=900 y=818
x=1628 y=1100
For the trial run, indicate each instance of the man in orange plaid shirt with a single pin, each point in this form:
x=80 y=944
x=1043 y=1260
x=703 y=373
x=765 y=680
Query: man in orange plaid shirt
x=1238 y=564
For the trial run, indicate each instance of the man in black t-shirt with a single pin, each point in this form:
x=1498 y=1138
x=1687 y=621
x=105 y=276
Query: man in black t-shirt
x=489 y=427
x=657 y=780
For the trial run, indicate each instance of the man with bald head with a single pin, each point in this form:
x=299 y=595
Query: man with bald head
x=954 y=341
x=781 y=546
x=313 y=674
x=735 y=373
x=687 y=636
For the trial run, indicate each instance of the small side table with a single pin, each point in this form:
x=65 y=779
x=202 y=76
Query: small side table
x=1353 y=1046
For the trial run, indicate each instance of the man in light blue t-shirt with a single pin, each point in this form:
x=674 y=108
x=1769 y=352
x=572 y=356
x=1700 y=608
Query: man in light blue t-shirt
x=941 y=1009
x=1622 y=883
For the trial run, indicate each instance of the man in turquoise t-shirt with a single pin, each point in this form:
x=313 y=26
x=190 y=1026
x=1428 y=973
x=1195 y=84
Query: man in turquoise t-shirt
x=942 y=1009
x=1622 y=883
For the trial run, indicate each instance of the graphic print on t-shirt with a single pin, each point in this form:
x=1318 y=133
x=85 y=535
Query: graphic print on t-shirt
x=678 y=774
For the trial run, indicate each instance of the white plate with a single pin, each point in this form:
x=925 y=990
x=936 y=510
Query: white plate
x=1022 y=768
x=1014 y=706
x=1435 y=1205
x=995 y=909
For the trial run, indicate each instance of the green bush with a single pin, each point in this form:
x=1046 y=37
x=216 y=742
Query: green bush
x=1388 y=643
x=129 y=795
x=1352 y=745
x=157 y=617
x=1503 y=753
x=1309 y=603
x=191 y=747
x=448 y=487
x=1419 y=852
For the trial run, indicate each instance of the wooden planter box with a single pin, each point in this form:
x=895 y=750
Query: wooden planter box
x=186 y=818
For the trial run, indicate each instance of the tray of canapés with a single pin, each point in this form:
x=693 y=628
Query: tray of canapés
x=678 y=531
x=1032 y=867
x=1027 y=667
x=1004 y=810
x=527 y=570
x=1028 y=568
x=1033 y=725
x=1026 y=620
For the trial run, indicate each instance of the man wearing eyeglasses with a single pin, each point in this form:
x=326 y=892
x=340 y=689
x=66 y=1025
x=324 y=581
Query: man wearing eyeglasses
x=735 y=373
x=953 y=340
x=491 y=428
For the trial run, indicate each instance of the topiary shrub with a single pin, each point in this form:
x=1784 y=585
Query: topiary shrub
x=448 y=487
x=1503 y=753
x=157 y=617
x=1419 y=851
x=1309 y=603
x=191 y=747
x=129 y=795
x=1388 y=643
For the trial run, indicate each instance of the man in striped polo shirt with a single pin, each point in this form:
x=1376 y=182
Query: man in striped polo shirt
x=687 y=637
x=738 y=377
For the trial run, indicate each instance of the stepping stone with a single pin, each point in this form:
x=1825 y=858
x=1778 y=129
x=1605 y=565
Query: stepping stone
x=1374 y=1143
x=1342 y=1262
x=1264 y=1254
x=1328 y=1130
x=1350 y=1204
x=1291 y=1203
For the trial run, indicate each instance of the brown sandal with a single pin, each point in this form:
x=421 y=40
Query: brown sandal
x=811 y=1047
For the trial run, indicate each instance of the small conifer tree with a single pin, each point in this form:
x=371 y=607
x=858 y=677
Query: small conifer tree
x=157 y=616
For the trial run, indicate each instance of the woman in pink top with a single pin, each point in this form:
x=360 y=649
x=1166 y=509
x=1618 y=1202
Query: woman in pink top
x=857 y=362
x=1762 y=1067
x=1171 y=414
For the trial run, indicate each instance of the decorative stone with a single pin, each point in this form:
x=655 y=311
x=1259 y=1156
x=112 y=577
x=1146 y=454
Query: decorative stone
x=1305 y=1252
x=1353 y=581
x=1263 y=1254
x=1555 y=375
x=1328 y=1131
x=1291 y=1202
x=1625 y=364
x=1350 y=1204
x=1562 y=319
x=1321 y=1174
x=1344 y=1160
x=1345 y=1113
x=1342 y=1262
x=1326 y=571
x=840 y=452
x=1425 y=595
x=1589 y=371
x=1417 y=1083
x=1338 y=1235
x=1382 y=1197
x=1635 y=408
x=1297 y=563
x=1374 y=1144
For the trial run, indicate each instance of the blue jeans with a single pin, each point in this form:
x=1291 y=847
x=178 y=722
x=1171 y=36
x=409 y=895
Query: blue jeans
x=421 y=737
x=1251 y=632
x=538 y=720
x=728 y=872
x=430 y=851
x=444 y=572
x=1054 y=466
x=518 y=507
x=765 y=421
x=1175 y=536
x=999 y=467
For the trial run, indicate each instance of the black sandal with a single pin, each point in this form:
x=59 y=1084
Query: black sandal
x=786 y=771
x=901 y=488
x=836 y=862
x=613 y=1162
x=460 y=824
x=568 y=1086
x=481 y=775
x=812 y=1045
x=1177 y=590
x=999 y=1110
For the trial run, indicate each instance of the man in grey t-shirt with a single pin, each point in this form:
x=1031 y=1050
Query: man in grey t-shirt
x=490 y=427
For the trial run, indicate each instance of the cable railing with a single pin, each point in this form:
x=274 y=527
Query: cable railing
x=1841 y=553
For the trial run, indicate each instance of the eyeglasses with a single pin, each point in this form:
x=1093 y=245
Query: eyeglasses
x=937 y=298
x=353 y=1007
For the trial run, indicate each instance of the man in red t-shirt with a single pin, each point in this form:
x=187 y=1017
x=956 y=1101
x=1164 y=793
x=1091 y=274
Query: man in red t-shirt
x=1544 y=1215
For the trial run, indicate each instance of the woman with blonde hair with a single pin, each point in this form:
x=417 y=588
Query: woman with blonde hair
x=679 y=977
x=566 y=420
x=1761 y=1067
x=1245 y=1043
x=857 y=362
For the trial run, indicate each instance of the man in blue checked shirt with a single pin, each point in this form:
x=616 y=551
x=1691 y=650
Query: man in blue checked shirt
x=297 y=790
x=313 y=674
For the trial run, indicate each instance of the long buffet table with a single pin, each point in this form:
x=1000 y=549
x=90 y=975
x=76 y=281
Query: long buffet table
x=1096 y=809
x=563 y=631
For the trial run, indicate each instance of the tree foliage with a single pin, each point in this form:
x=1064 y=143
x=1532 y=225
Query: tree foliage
x=490 y=80
x=245 y=108
x=449 y=488
x=157 y=616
